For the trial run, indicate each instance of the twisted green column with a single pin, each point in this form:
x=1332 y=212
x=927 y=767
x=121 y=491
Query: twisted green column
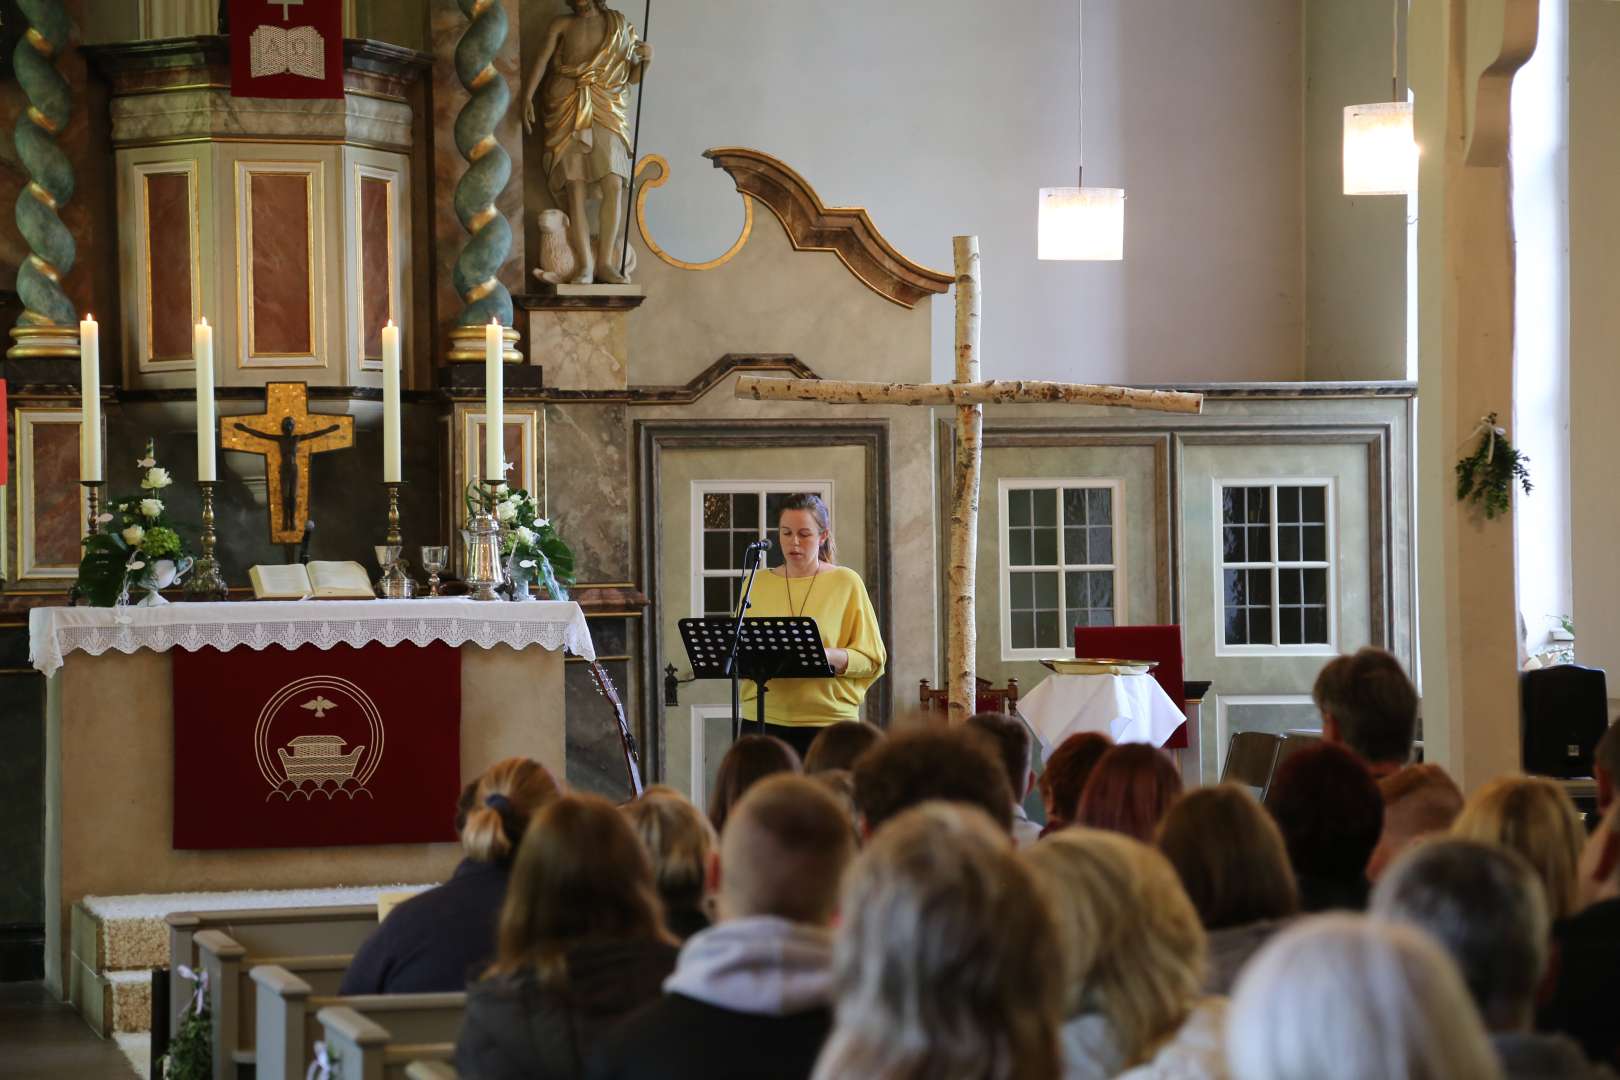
x=489 y=167
x=49 y=325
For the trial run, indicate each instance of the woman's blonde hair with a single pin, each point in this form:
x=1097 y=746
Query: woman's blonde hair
x=941 y=966
x=678 y=840
x=1342 y=996
x=580 y=877
x=1134 y=949
x=1534 y=817
x=502 y=801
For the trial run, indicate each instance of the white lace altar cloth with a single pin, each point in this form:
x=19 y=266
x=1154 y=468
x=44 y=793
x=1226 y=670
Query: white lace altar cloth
x=53 y=632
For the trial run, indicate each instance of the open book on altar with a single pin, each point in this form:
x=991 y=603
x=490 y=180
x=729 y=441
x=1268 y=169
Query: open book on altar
x=315 y=580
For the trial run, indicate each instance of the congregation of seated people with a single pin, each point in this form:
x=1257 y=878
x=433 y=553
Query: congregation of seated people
x=888 y=908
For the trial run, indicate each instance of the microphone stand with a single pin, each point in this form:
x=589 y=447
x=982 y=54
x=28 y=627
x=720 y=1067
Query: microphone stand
x=757 y=554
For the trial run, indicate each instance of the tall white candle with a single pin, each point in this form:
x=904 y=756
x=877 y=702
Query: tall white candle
x=390 y=359
x=494 y=407
x=90 y=382
x=202 y=352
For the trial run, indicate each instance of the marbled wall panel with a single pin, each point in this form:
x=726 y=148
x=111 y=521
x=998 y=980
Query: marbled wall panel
x=376 y=264
x=280 y=319
x=54 y=498
x=580 y=350
x=587 y=489
x=446 y=24
x=168 y=240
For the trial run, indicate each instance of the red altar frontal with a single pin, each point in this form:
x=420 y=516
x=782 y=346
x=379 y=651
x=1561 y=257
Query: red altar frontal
x=204 y=747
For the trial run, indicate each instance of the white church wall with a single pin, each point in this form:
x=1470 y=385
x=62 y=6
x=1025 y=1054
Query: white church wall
x=1594 y=378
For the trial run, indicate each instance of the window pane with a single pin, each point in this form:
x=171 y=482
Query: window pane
x=1048 y=631
x=1023 y=630
x=1288 y=504
x=1259 y=543
x=1259 y=587
x=1315 y=586
x=717 y=596
x=1074 y=506
x=1023 y=550
x=1018 y=507
x=1046 y=547
x=739 y=546
x=1045 y=504
x=1290 y=627
x=1288 y=587
x=1078 y=617
x=716 y=511
x=1260 y=626
x=1316 y=626
x=1313 y=504
x=1102 y=545
x=716 y=550
x=1046 y=591
x=745 y=510
x=1102 y=589
x=1100 y=503
x=1232 y=544
x=1022 y=587
x=1236 y=591
x=1074 y=547
x=1288 y=543
x=1259 y=500
x=1074 y=591
x=1231 y=506
x=1237 y=626
x=1315 y=546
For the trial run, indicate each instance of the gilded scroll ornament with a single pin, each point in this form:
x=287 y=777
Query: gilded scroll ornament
x=646 y=186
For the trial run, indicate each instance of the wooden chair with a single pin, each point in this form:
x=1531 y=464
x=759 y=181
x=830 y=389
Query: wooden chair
x=1292 y=743
x=1251 y=757
x=362 y=1049
x=232 y=1000
x=286 y=1028
x=987 y=698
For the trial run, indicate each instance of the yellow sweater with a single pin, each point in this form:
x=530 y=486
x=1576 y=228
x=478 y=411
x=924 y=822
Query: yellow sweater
x=843 y=612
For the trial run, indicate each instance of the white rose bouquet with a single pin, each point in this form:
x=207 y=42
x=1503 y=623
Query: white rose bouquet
x=133 y=532
x=535 y=553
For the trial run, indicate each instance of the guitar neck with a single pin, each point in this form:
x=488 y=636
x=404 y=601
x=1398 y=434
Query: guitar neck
x=627 y=741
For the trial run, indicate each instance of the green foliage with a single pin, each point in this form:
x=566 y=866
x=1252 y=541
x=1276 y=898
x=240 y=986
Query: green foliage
x=535 y=551
x=1485 y=478
x=190 y=1054
x=130 y=534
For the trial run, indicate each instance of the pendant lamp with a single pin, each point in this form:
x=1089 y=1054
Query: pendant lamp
x=1380 y=152
x=1081 y=223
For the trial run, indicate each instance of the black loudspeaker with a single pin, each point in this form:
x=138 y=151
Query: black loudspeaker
x=1563 y=713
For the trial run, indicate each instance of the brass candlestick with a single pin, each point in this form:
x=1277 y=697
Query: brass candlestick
x=206 y=582
x=393 y=487
x=92 y=498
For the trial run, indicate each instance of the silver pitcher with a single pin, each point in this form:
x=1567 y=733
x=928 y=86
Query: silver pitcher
x=481 y=555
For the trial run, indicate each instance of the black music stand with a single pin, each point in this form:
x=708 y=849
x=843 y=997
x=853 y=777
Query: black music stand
x=767 y=648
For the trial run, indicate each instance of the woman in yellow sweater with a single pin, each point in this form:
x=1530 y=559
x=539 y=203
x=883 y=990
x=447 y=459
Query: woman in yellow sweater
x=810 y=582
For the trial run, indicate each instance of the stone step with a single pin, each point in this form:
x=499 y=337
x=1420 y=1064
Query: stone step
x=114 y=1002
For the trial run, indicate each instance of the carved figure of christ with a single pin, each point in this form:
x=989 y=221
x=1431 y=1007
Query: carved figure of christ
x=969 y=394
x=286 y=435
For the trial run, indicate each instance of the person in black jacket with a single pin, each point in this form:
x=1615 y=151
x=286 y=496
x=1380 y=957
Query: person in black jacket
x=440 y=940
x=751 y=996
x=1583 y=1000
x=581 y=944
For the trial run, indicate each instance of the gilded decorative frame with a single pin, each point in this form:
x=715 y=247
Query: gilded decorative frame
x=27 y=419
x=145 y=321
x=354 y=257
x=314 y=176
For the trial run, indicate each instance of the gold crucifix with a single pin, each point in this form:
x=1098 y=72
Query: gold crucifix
x=286 y=435
x=970 y=395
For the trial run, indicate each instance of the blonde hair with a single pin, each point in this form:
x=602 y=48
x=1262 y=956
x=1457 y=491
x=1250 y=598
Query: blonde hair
x=509 y=793
x=785 y=848
x=1341 y=996
x=1134 y=948
x=1534 y=817
x=678 y=839
x=941 y=967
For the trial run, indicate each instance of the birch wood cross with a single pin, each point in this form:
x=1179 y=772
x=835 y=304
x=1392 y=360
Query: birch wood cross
x=970 y=395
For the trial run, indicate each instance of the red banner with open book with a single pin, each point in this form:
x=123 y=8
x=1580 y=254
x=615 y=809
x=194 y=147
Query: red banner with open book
x=287 y=48
x=316 y=747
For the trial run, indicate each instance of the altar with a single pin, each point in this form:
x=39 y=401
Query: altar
x=116 y=677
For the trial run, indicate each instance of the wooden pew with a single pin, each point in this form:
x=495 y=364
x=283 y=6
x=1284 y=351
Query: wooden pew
x=287 y=931
x=359 y=1048
x=430 y=1070
x=286 y=1028
x=231 y=997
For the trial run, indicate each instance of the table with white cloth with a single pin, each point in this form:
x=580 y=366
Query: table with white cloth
x=1126 y=708
x=111 y=722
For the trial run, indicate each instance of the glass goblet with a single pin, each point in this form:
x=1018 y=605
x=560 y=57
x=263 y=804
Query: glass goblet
x=434 y=559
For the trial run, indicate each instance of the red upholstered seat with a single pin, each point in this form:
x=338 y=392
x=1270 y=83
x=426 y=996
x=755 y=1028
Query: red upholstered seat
x=1161 y=643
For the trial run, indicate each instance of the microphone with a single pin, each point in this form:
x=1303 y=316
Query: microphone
x=760 y=545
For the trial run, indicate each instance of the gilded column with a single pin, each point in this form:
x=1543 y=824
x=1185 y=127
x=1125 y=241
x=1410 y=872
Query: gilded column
x=489 y=167
x=49 y=325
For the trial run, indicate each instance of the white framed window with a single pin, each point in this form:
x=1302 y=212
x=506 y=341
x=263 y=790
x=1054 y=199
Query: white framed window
x=1062 y=562
x=1275 y=582
x=727 y=516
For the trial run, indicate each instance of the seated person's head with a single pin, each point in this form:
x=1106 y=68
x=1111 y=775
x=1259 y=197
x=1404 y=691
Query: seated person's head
x=1326 y=804
x=750 y=759
x=1606 y=766
x=1129 y=790
x=1129 y=938
x=1066 y=773
x=1229 y=856
x=1535 y=817
x=942 y=964
x=838 y=745
x=912 y=768
x=1599 y=868
x=840 y=784
x=1341 y=997
x=783 y=853
x=1368 y=704
x=581 y=875
x=1011 y=739
x=1420 y=800
x=1485 y=906
x=495 y=809
x=678 y=840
